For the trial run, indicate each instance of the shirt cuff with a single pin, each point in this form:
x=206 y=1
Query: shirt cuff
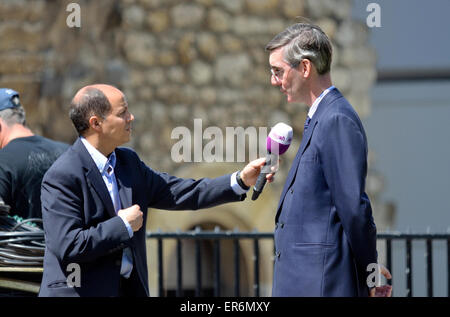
x=235 y=186
x=130 y=230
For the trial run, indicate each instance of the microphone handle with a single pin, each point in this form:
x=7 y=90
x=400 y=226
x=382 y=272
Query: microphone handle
x=260 y=182
x=266 y=169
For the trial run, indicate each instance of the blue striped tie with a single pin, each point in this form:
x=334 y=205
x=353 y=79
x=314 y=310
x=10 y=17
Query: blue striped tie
x=307 y=121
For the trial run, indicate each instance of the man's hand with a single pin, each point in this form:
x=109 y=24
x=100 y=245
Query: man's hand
x=250 y=173
x=383 y=290
x=133 y=215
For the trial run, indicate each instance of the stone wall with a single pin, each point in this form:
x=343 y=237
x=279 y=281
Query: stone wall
x=175 y=60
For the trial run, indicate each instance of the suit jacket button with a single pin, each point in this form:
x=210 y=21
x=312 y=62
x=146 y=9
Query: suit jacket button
x=278 y=254
x=282 y=225
x=292 y=191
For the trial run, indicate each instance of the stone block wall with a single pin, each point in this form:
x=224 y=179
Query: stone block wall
x=175 y=60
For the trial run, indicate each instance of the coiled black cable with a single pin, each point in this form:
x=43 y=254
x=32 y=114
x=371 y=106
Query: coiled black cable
x=22 y=242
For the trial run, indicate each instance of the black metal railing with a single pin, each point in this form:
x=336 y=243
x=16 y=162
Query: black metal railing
x=409 y=238
x=409 y=75
x=217 y=236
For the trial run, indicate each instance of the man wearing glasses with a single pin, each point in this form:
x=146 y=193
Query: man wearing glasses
x=325 y=236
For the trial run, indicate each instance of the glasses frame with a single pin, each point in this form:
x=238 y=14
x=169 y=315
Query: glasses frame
x=278 y=78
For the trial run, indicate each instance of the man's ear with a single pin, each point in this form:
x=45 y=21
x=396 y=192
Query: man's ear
x=306 y=67
x=95 y=123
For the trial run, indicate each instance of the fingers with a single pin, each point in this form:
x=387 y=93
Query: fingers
x=389 y=291
x=259 y=162
x=135 y=207
x=133 y=215
x=385 y=271
x=383 y=291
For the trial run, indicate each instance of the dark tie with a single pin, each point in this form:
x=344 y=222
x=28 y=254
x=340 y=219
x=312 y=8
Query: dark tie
x=307 y=121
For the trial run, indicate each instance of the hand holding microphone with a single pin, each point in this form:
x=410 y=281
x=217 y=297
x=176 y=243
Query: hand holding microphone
x=278 y=141
x=251 y=172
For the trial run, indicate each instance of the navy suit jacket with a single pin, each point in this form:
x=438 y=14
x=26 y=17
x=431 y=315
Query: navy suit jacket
x=82 y=227
x=325 y=235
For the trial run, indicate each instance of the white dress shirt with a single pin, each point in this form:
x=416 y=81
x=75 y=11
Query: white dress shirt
x=316 y=102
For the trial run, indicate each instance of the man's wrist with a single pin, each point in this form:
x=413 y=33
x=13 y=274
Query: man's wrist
x=241 y=182
x=127 y=224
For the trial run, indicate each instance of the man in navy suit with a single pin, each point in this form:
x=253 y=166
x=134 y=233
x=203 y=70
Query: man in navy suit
x=325 y=236
x=92 y=198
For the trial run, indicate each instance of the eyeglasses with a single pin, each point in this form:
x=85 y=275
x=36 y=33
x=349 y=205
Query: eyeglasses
x=277 y=74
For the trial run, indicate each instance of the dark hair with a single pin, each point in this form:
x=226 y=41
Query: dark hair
x=92 y=102
x=303 y=40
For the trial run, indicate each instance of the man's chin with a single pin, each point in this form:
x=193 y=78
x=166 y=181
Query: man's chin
x=290 y=99
x=127 y=138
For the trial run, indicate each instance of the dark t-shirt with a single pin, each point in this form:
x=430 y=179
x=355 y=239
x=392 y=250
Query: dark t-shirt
x=23 y=163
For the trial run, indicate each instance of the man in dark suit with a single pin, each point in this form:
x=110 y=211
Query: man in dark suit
x=325 y=236
x=92 y=199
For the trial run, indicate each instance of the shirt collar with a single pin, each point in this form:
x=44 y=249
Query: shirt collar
x=316 y=102
x=101 y=161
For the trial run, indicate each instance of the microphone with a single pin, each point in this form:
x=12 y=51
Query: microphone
x=278 y=141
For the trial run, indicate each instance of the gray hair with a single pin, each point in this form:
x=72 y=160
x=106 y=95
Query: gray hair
x=303 y=40
x=93 y=102
x=13 y=116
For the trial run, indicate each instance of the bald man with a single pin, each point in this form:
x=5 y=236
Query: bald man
x=95 y=199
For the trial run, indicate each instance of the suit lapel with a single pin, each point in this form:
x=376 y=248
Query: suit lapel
x=95 y=180
x=326 y=101
x=93 y=177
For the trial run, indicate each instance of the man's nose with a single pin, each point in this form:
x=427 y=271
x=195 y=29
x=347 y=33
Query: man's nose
x=274 y=81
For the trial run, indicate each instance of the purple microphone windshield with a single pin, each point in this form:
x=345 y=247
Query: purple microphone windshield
x=279 y=139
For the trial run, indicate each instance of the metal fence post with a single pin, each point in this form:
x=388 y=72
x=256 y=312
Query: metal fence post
x=198 y=264
x=217 y=264
x=237 y=277
x=429 y=263
x=408 y=268
x=256 y=266
x=160 y=268
x=389 y=257
x=179 y=269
